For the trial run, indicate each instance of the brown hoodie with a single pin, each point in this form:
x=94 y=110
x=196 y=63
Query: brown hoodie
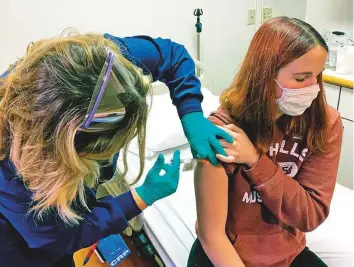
x=287 y=193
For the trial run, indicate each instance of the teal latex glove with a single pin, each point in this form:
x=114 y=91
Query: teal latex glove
x=157 y=186
x=202 y=137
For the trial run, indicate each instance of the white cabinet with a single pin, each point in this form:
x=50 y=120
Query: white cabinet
x=332 y=94
x=346 y=103
x=345 y=171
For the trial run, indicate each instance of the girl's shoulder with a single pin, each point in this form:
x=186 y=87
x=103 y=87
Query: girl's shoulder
x=334 y=117
x=220 y=117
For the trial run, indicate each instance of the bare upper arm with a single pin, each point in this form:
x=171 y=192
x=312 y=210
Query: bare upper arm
x=211 y=190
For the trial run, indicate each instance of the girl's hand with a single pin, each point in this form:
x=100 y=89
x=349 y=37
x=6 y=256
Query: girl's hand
x=241 y=151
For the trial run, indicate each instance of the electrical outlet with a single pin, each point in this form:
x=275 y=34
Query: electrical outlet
x=267 y=14
x=251 y=16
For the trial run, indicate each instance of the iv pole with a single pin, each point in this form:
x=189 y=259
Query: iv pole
x=198 y=12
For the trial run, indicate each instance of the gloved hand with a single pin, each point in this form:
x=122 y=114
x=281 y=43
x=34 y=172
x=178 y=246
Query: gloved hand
x=158 y=186
x=201 y=135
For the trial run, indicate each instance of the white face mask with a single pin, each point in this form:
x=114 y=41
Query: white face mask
x=294 y=102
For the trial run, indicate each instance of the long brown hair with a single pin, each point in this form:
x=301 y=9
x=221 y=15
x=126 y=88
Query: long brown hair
x=43 y=103
x=250 y=100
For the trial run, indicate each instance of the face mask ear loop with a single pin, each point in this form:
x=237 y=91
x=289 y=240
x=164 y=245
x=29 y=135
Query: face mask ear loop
x=282 y=94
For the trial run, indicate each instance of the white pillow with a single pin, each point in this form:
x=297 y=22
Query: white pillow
x=164 y=128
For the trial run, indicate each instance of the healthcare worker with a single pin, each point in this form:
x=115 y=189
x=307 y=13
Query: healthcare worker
x=69 y=104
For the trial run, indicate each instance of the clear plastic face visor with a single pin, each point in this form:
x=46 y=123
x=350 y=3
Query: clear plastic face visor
x=105 y=107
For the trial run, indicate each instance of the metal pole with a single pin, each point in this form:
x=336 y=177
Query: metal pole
x=198 y=46
x=198 y=12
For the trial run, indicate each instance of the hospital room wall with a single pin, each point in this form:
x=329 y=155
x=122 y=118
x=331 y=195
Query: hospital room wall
x=32 y=20
x=224 y=39
x=331 y=15
x=290 y=8
x=228 y=21
x=227 y=36
x=328 y=15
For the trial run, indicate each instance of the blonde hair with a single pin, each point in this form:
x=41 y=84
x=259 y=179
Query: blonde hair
x=43 y=103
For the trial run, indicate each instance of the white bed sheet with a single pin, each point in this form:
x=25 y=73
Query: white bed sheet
x=333 y=241
x=170 y=222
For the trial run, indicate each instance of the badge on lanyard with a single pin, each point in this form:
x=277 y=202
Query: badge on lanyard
x=113 y=249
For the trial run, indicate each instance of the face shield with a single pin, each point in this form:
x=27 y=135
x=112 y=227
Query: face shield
x=105 y=107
